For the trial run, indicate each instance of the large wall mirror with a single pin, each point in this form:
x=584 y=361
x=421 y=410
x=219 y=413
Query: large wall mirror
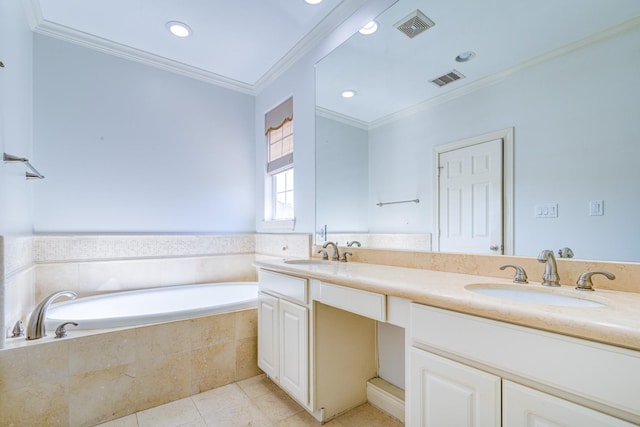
x=562 y=76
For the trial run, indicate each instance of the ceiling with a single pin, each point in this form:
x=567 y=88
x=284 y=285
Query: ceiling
x=391 y=72
x=235 y=43
x=245 y=44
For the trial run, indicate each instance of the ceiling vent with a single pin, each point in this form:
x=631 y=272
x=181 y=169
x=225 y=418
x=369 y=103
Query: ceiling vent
x=414 y=24
x=445 y=79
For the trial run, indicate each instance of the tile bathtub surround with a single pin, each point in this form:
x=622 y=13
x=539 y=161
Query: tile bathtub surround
x=50 y=248
x=627 y=273
x=94 y=277
x=17 y=281
x=284 y=245
x=86 y=380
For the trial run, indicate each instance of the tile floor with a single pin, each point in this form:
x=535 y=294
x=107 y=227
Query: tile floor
x=255 y=402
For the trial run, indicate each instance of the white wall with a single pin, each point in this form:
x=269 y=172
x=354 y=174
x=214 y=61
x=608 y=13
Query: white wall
x=576 y=139
x=341 y=176
x=16 y=108
x=126 y=147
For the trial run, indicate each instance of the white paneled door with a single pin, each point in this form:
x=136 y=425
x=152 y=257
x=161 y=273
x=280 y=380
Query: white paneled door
x=470 y=198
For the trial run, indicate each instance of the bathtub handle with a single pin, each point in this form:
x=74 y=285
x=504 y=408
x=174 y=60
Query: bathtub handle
x=61 y=332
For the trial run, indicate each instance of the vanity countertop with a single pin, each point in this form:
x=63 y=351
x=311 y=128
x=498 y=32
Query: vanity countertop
x=617 y=323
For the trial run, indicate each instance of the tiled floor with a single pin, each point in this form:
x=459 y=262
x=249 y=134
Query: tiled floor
x=255 y=402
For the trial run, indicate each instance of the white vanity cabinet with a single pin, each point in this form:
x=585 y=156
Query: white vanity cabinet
x=318 y=352
x=283 y=332
x=447 y=393
x=469 y=371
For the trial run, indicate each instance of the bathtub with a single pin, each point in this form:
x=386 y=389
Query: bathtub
x=154 y=305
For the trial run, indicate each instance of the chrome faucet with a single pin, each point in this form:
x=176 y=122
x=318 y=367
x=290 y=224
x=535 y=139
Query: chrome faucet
x=550 y=276
x=520 y=275
x=36 y=328
x=354 y=243
x=336 y=254
x=584 y=281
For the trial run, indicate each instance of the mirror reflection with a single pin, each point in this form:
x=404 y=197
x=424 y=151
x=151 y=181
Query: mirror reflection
x=553 y=83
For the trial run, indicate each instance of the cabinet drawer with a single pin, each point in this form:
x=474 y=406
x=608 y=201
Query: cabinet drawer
x=368 y=304
x=290 y=287
x=602 y=374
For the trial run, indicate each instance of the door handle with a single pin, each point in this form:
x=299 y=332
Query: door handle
x=495 y=247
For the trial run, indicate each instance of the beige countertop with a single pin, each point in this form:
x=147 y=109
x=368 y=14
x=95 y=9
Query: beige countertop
x=617 y=323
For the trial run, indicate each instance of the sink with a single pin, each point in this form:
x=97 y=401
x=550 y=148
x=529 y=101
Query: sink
x=534 y=296
x=307 y=261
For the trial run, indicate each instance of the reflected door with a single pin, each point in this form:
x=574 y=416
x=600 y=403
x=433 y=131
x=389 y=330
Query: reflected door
x=470 y=199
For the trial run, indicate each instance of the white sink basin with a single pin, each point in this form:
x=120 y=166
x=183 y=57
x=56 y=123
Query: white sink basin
x=307 y=261
x=534 y=296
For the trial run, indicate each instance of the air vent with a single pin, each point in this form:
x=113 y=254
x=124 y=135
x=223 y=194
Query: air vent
x=445 y=79
x=414 y=24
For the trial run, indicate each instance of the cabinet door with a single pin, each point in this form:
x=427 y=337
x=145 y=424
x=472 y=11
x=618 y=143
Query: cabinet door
x=268 y=343
x=294 y=354
x=523 y=406
x=444 y=393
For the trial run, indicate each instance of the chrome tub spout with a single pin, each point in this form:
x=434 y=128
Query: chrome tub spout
x=36 y=328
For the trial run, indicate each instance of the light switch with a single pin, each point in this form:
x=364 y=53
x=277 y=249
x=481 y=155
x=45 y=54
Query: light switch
x=546 y=210
x=596 y=208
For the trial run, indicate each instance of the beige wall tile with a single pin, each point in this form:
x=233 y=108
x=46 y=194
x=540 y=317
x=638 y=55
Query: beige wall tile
x=247 y=323
x=212 y=367
x=32 y=364
x=157 y=341
x=51 y=278
x=38 y=404
x=227 y=268
x=207 y=331
x=247 y=358
x=101 y=351
x=19 y=296
x=162 y=379
x=101 y=395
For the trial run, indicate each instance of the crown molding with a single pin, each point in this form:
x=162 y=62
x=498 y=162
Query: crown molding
x=623 y=27
x=100 y=44
x=330 y=22
x=342 y=118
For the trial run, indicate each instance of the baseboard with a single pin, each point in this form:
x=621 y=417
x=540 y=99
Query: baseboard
x=386 y=397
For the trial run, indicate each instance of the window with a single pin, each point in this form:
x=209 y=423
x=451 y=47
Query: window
x=279 y=136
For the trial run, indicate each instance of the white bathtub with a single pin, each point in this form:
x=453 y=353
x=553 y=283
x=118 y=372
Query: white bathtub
x=154 y=305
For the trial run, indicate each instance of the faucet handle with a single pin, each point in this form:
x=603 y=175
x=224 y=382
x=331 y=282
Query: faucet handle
x=344 y=256
x=584 y=281
x=520 y=276
x=18 y=330
x=61 y=332
x=325 y=256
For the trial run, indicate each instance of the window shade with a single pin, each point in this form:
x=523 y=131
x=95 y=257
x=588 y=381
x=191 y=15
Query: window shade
x=279 y=132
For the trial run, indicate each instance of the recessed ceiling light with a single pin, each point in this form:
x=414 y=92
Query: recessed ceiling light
x=178 y=29
x=465 y=56
x=350 y=93
x=313 y=1
x=370 y=28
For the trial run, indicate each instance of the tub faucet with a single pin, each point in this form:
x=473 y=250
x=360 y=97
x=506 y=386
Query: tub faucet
x=550 y=276
x=36 y=328
x=336 y=254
